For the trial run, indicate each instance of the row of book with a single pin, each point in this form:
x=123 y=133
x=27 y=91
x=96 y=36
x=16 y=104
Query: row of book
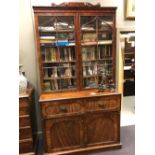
x=57 y=36
x=90 y=82
x=56 y=26
x=93 y=69
x=105 y=51
x=99 y=42
x=62 y=71
x=51 y=43
x=59 y=84
x=91 y=53
x=52 y=54
x=90 y=70
x=94 y=37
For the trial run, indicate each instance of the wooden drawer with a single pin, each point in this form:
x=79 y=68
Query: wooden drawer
x=24 y=111
x=61 y=107
x=102 y=103
x=24 y=102
x=25 y=133
x=24 y=121
x=25 y=146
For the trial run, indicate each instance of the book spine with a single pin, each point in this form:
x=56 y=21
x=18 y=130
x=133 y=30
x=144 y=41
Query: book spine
x=70 y=58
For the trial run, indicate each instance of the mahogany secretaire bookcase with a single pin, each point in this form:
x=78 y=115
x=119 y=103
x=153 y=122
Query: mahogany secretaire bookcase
x=76 y=46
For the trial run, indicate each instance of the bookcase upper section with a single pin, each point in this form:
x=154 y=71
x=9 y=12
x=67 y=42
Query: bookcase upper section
x=75 y=46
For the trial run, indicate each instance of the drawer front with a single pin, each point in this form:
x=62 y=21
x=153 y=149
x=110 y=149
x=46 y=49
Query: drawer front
x=102 y=103
x=25 y=146
x=24 y=121
x=61 y=107
x=25 y=133
x=23 y=102
x=24 y=111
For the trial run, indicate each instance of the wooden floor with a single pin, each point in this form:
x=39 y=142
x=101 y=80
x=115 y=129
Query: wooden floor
x=31 y=153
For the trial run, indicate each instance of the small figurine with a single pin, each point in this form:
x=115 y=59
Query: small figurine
x=101 y=87
x=111 y=85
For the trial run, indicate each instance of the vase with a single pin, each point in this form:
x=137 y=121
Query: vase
x=22 y=82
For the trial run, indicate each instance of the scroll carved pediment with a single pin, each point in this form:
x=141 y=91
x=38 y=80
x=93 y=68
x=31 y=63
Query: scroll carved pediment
x=75 y=4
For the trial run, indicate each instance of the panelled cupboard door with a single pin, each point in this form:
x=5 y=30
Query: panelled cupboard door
x=63 y=133
x=102 y=128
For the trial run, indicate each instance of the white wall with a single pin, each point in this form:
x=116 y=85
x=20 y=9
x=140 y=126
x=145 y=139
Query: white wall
x=27 y=50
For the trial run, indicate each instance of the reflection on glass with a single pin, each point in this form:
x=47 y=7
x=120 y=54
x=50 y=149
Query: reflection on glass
x=96 y=50
x=57 y=42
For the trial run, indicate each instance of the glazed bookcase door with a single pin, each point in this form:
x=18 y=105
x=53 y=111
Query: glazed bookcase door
x=97 y=50
x=62 y=134
x=58 y=52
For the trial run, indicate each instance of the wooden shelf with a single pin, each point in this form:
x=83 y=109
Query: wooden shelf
x=47 y=62
x=56 y=30
x=101 y=42
x=60 y=78
x=129 y=53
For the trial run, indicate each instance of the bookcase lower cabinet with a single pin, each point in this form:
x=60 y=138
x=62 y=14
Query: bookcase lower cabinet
x=80 y=122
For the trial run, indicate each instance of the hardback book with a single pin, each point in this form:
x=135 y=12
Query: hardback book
x=95 y=69
x=54 y=72
x=54 y=84
x=47 y=54
x=57 y=54
x=89 y=36
x=73 y=53
x=46 y=28
x=84 y=53
x=46 y=73
x=47 y=37
x=53 y=54
x=61 y=36
x=61 y=51
x=60 y=25
x=69 y=53
x=66 y=56
x=102 y=52
x=90 y=53
x=62 y=43
x=84 y=71
x=42 y=41
x=47 y=86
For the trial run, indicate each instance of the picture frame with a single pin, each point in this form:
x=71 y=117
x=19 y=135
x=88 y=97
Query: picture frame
x=130 y=10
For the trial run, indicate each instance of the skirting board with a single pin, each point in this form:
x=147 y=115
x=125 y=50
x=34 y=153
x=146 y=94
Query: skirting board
x=88 y=149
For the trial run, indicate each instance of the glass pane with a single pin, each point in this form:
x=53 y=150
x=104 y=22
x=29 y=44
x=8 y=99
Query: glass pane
x=105 y=23
x=96 y=49
x=57 y=43
x=89 y=58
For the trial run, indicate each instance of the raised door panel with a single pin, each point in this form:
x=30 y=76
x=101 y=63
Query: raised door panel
x=63 y=134
x=102 y=128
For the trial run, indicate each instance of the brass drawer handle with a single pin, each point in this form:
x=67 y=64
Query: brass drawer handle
x=62 y=109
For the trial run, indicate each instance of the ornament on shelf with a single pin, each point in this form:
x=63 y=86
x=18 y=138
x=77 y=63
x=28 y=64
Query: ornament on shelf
x=22 y=82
